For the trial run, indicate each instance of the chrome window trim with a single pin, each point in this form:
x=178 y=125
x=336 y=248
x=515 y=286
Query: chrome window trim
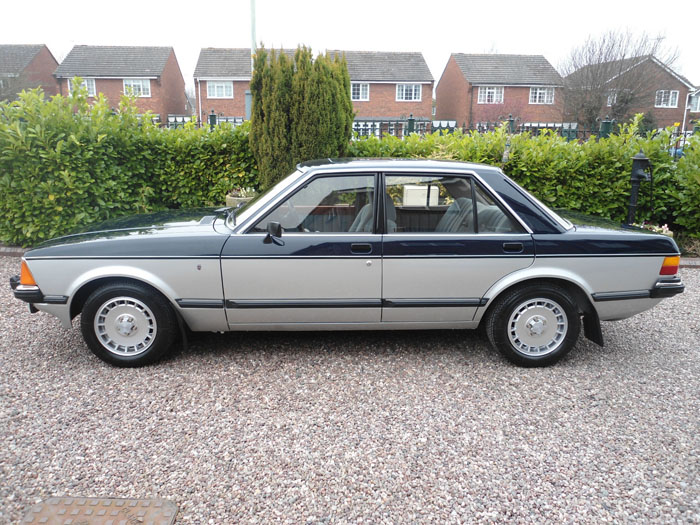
x=243 y=227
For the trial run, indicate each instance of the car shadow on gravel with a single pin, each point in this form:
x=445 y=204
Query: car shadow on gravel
x=466 y=342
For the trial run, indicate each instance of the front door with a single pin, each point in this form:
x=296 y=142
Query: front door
x=325 y=268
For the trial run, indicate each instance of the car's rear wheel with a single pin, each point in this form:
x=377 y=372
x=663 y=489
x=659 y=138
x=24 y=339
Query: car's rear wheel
x=535 y=325
x=127 y=324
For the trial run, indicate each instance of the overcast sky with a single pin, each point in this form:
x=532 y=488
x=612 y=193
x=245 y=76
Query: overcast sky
x=435 y=28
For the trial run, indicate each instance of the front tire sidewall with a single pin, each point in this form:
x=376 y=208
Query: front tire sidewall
x=157 y=305
x=497 y=327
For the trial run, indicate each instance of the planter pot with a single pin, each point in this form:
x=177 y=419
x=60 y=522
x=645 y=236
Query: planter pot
x=235 y=201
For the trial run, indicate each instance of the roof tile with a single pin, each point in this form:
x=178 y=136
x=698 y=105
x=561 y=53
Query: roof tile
x=114 y=61
x=510 y=70
x=362 y=65
x=15 y=58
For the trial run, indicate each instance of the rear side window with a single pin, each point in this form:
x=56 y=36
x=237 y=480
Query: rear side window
x=442 y=204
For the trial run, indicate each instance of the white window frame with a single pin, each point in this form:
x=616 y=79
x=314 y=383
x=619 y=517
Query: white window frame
x=612 y=98
x=490 y=95
x=363 y=91
x=129 y=84
x=542 y=95
x=214 y=85
x=695 y=103
x=401 y=92
x=669 y=98
x=88 y=83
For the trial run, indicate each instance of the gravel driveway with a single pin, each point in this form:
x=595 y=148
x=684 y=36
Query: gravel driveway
x=403 y=427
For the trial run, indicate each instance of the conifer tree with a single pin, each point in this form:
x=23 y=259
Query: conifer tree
x=301 y=110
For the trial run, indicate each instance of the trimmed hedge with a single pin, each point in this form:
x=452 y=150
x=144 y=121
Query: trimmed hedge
x=65 y=163
x=592 y=177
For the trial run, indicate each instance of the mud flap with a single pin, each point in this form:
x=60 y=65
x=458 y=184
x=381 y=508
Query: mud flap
x=591 y=327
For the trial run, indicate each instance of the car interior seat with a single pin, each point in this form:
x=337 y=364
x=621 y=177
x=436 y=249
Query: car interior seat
x=363 y=221
x=458 y=217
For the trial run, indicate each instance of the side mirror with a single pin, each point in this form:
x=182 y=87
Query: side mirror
x=274 y=233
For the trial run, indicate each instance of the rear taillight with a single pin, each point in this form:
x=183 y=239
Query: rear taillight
x=25 y=277
x=670 y=265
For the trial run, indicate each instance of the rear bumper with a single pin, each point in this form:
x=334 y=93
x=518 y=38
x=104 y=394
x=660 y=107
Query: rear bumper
x=667 y=288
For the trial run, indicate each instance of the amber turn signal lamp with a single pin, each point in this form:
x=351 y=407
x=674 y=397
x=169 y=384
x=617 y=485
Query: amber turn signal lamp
x=25 y=277
x=670 y=265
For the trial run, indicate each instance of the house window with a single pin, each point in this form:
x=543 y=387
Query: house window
x=359 y=91
x=695 y=103
x=408 y=92
x=219 y=89
x=666 y=99
x=540 y=95
x=88 y=83
x=139 y=87
x=490 y=95
x=612 y=98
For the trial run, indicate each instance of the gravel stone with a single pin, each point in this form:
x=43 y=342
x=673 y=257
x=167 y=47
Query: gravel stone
x=367 y=427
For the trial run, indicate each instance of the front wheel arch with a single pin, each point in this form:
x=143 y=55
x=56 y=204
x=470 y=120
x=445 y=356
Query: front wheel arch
x=85 y=290
x=128 y=323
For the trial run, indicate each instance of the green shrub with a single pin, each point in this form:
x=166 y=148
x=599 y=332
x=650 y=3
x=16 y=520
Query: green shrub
x=65 y=163
x=687 y=214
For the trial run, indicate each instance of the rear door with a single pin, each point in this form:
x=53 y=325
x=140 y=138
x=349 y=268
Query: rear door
x=448 y=240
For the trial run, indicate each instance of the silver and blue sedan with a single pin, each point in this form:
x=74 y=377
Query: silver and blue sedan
x=354 y=245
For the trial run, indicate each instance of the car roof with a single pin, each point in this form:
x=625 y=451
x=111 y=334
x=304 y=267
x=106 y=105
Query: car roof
x=392 y=163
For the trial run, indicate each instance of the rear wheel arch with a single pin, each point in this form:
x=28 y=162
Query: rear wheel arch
x=577 y=293
x=535 y=324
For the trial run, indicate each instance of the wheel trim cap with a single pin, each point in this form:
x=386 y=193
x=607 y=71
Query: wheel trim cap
x=125 y=326
x=537 y=327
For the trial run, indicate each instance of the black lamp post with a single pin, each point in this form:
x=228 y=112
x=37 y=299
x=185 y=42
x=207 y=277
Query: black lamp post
x=640 y=171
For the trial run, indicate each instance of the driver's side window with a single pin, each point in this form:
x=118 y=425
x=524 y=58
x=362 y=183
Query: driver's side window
x=334 y=204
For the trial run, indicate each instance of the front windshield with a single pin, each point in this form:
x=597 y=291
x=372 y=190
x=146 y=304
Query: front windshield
x=251 y=206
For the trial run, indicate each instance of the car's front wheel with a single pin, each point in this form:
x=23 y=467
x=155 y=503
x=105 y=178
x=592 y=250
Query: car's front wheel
x=127 y=324
x=535 y=325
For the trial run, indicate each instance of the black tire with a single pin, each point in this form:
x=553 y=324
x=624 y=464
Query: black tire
x=128 y=324
x=534 y=325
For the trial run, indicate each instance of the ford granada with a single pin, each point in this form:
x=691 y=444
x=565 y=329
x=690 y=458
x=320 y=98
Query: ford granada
x=354 y=245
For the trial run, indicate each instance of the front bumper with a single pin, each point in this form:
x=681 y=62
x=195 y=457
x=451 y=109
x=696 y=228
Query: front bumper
x=32 y=294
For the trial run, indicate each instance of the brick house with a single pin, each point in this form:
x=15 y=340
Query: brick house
x=26 y=67
x=389 y=85
x=152 y=74
x=221 y=80
x=692 y=119
x=658 y=91
x=384 y=85
x=485 y=88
